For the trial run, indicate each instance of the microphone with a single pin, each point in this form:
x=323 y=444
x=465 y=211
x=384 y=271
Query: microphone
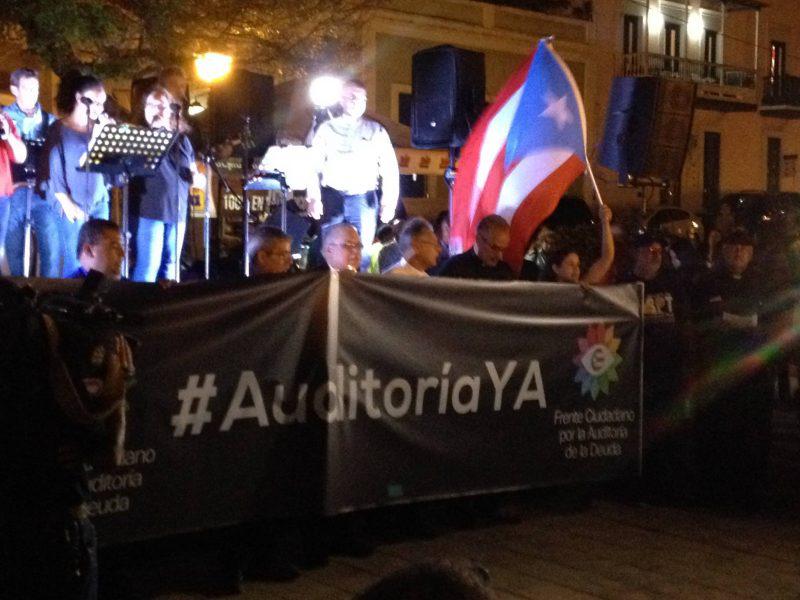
x=175 y=107
x=87 y=102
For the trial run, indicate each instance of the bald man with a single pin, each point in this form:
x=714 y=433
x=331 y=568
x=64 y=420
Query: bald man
x=341 y=247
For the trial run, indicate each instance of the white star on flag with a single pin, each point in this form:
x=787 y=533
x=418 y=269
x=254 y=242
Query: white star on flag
x=557 y=110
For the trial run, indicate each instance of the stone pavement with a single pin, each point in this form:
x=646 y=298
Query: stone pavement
x=607 y=549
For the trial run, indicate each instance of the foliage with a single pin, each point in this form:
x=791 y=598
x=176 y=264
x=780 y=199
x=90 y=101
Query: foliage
x=124 y=37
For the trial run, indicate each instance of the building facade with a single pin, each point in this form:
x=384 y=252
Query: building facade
x=741 y=55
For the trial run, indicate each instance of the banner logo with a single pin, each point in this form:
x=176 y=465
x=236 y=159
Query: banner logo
x=598 y=360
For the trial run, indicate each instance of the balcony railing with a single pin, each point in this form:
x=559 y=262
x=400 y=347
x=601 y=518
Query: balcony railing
x=781 y=91
x=648 y=64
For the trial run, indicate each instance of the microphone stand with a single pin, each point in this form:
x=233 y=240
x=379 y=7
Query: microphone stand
x=177 y=114
x=30 y=182
x=211 y=168
x=247 y=141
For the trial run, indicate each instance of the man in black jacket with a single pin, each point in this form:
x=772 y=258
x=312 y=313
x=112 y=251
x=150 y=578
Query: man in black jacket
x=485 y=259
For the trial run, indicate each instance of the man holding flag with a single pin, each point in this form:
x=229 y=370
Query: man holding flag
x=522 y=155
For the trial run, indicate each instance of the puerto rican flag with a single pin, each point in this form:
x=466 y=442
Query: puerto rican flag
x=523 y=153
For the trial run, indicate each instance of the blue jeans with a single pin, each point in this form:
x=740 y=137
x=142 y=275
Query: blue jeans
x=5 y=206
x=360 y=210
x=44 y=225
x=157 y=254
x=68 y=232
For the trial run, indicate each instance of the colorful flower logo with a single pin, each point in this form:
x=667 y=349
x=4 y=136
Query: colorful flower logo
x=598 y=360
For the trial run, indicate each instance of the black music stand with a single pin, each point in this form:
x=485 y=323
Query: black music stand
x=123 y=151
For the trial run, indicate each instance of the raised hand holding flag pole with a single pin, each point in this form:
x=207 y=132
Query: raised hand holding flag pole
x=524 y=152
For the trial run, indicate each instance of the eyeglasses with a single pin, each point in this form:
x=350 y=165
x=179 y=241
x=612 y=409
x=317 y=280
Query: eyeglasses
x=92 y=101
x=350 y=246
x=495 y=247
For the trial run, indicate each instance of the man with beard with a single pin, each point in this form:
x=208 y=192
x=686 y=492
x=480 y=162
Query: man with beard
x=666 y=309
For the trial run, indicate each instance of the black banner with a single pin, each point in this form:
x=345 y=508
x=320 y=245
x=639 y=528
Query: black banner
x=466 y=387
x=324 y=394
x=213 y=437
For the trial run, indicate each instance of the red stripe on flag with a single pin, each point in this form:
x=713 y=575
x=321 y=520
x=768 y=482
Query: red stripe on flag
x=487 y=205
x=461 y=219
x=537 y=206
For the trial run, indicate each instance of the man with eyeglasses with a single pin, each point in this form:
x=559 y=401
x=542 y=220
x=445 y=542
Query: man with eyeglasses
x=485 y=259
x=341 y=247
x=351 y=154
x=270 y=251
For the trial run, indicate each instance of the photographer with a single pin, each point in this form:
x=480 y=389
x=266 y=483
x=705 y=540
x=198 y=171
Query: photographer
x=12 y=149
x=32 y=123
x=63 y=411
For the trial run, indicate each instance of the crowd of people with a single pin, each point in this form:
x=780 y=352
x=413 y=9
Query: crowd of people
x=706 y=429
x=47 y=184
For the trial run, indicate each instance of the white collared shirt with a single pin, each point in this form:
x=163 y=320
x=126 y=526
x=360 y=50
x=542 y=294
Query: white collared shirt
x=403 y=268
x=352 y=155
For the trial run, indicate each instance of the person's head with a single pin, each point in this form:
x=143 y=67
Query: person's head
x=566 y=266
x=157 y=108
x=441 y=226
x=100 y=247
x=737 y=251
x=648 y=256
x=491 y=239
x=341 y=247
x=174 y=79
x=354 y=98
x=724 y=220
x=434 y=580
x=76 y=92
x=385 y=234
x=419 y=244
x=24 y=84
x=270 y=250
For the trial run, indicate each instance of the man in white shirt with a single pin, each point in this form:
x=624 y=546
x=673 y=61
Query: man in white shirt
x=420 y=248
x=351 y=154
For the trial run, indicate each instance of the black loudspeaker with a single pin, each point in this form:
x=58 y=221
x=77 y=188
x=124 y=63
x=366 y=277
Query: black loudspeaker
x=241 y=95
x=449 y=90
x=647 y=127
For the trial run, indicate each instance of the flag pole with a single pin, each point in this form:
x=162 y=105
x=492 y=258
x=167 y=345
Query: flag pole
x=594 y=182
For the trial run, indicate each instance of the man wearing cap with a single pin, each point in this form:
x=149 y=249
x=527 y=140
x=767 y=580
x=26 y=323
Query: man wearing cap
x=732 y=402
x=666 y=309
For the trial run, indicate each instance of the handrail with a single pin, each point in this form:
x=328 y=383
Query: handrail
x=781 y=90
x=643 y=64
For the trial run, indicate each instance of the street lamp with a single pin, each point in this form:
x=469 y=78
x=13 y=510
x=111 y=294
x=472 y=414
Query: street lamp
x=212 y=66
x=325 y=91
